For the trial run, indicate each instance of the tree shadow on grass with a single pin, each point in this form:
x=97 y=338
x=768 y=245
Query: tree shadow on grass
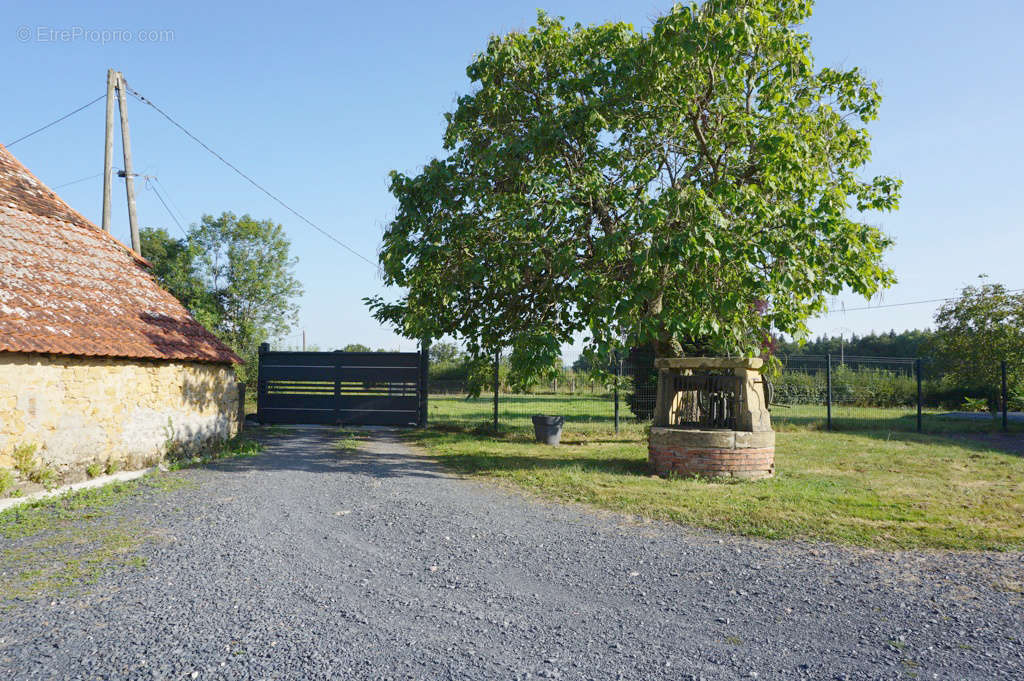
x=482 y=463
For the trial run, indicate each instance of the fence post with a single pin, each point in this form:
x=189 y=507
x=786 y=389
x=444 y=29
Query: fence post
x=1002 y=369
x=917 y=370
x=497 y=360
x=618 y=375
x=424 y=381
x=828 y=390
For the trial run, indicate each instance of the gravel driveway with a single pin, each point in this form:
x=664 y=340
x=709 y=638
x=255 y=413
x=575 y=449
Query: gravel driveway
x=307 y=563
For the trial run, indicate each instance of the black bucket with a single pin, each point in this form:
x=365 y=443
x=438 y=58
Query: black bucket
x=548 y=429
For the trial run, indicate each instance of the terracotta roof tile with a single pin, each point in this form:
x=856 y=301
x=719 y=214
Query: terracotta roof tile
x=67 y=287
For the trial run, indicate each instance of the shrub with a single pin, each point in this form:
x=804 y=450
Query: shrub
x=6 y=481
x=25 y=462
x=641 y=393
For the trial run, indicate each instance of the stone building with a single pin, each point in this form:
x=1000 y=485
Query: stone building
x=97 y=362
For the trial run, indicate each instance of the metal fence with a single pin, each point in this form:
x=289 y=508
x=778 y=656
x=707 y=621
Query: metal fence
x=831 y=392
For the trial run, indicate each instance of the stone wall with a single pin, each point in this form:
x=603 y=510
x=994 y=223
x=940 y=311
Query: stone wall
x=83 y=410
x=712 y=453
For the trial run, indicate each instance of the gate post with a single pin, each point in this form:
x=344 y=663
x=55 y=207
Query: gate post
x=261 y=388
x=424 y=387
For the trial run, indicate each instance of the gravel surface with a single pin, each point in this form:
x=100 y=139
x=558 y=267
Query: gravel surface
x=309 y=563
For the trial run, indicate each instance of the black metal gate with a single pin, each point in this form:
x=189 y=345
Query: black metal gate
x=355 y=388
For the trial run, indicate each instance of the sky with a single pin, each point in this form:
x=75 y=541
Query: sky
x=318 y=101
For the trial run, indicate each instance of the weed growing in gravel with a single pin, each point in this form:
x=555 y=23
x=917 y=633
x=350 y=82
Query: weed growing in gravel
x=276 y=431
x=94 y=470
x=25 y=462
x=68 y=541
x=237 y=446
x=6 y=481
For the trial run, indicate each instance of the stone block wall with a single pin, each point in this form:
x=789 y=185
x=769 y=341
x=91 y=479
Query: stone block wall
x=82 y=410
x=712 y=453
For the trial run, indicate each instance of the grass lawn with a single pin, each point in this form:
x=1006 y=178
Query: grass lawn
x=878 y=488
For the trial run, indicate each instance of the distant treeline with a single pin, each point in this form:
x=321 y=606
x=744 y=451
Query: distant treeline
x=912 y=343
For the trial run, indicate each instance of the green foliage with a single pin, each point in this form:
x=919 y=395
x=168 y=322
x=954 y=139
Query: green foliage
x=235 y=275
x=356 y=347
x=857 y=388
x=975 y=404
x=237 y=446
x=112 y=466
x=24 y=456
x=690 y=182
x=94 y=470
x=26 y=463
x=6 y=481
x=975 y=332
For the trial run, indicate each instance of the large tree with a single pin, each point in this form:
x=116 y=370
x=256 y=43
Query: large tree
x=696 y=185
x=235 y=275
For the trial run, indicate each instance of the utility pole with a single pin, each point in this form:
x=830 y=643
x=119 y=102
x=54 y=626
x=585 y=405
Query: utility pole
x=303 y=340
x=108 y=149
x=126 y=144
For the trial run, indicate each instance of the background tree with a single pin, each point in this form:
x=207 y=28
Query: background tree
x=235 y=275
x=909 y=343
x=977 y=331
x=442 y=353
x=174 y=266
x=687 y=185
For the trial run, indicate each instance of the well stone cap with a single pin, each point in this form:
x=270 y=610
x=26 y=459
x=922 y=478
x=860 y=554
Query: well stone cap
x=708 y=362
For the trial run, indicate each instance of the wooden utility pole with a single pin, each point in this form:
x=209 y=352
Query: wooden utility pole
x=126 y=144
x=303 y=340
x=108 y=149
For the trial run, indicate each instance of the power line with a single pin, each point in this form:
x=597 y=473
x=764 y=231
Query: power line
x=251 y=181
x=152 y=187
x=170 y=199
x=914 y=302
x=68 y=115
x=81 y=179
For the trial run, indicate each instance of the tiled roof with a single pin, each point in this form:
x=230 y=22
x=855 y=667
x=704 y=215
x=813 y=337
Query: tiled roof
x=67 y=287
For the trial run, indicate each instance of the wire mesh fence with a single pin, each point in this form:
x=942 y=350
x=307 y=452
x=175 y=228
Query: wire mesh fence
x=837 y=392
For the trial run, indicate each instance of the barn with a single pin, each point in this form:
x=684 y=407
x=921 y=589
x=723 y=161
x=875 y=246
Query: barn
x=98 y=363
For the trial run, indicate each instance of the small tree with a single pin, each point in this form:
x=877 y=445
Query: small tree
x=975 y=333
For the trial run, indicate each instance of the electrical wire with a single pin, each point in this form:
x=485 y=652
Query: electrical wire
x=251 y=181
x=81 y=179
x=170 y=199
x=914 y=302
x=52 y=123
x=152 y=187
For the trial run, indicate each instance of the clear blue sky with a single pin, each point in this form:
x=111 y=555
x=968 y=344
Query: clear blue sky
x=318 y=101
